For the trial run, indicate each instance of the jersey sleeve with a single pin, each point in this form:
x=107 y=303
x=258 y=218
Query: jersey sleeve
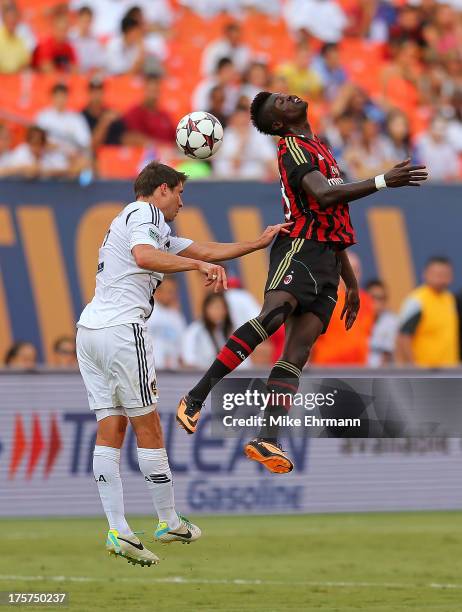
x=144 y=226
x=410 y=316
x=177 y=244
x=297 y=161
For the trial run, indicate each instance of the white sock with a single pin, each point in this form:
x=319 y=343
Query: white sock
x=158 y=477
x=106 y=468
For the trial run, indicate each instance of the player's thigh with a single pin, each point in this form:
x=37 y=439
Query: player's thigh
x=90 y=356
x=302 y=331
x=277 y=307
x=130 y=367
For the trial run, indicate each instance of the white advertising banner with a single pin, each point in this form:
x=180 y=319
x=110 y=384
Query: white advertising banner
x=47 y=435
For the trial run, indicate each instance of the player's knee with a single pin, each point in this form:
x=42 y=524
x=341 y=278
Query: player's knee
x=273 y=317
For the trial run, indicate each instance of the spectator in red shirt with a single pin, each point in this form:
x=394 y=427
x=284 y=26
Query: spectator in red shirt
x=55 y=52
x=146 y=121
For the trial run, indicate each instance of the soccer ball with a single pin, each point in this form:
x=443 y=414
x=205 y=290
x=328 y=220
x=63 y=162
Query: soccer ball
x=199 y=135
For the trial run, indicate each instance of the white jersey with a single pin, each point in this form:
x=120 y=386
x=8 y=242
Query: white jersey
x=124 y=291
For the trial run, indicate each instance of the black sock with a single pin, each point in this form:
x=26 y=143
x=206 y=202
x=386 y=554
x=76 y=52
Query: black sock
x=284 y=380
x=238 y=347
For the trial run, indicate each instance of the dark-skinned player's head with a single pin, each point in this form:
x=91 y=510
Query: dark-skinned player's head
x=275 y=113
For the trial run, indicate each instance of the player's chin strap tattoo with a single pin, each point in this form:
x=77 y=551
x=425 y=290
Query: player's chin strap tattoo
x=240 y=345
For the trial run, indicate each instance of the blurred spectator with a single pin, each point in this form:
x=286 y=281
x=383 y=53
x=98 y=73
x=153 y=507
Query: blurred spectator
x=64 y=354
x=370 y=155
x=90 y=52
x=338 y=346
x=154 y=42
x=226 y=76
x=338 y=132
x=230 y=46
x=147 y=122
x=241 y=303
x=109 y=13
x=255 y=79
x=353 y=101
x=245 y=153
x=36 y=158
x=167 y=325
x=428 y=323
x=14 y=53
x=329 y=69
x=439 y=155
x=55 y=52
x=22 y=29
x=126 y=53
x=408 y=26
x=398 y=137
x=106 y=126
x=383 y=335
x=454 y=129
x=65 y=128
x=301 y=79
x=204 y=338
x=21 y=356
x=217 y=104
x=5 y=150
x=324 y=19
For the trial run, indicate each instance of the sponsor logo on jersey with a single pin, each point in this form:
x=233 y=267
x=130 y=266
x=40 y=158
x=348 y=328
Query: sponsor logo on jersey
x=154 y=235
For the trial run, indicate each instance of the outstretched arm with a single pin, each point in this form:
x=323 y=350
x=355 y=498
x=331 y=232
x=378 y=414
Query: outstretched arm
x=221 y=251
x=401 y=175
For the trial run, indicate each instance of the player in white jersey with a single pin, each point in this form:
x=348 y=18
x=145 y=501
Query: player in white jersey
x=116 y=355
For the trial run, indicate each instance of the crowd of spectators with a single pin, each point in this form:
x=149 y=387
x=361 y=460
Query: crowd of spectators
x=425 y=332
x=413 y=109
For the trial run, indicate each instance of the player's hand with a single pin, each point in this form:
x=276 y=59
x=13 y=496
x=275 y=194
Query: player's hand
x=271 y=231
x=403 y=174
x=215 y=276
x=351 y=307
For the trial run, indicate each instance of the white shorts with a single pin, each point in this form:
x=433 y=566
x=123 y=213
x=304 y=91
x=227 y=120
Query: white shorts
x=117 y=367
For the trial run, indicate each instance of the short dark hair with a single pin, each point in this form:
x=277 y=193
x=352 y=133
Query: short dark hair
x=328 y=47
x=222 y=62
x=128 y=24
x=374 y=282
x=155 y=174
x=59 y=88
x=261 y=120
x=57 y=344
x=14 y=350
x=85 y=10
x=438 y=259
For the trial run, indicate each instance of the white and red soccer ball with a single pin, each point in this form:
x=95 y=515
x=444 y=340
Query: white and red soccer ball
x=199 y=135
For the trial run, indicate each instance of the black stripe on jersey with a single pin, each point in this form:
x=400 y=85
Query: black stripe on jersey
x=145 y=366
x=155 y=215
x=130 y=213
x=143 y=397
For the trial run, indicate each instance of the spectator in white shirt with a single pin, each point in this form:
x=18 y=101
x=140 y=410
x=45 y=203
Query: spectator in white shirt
x=256 y=79
x=241 y=303
x=230 y=46
x=126 y=53
x=5 y=150
x=167 y=325
x=226 y=76
x=35 y=158
x=205 y=338
x=324 y=19
x=90 y=52
x=245 y=153
x=109 y=13
x=437 y=153
x=383 y=335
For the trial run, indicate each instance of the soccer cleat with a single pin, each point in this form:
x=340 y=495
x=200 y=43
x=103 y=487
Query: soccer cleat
x=188 y=413
x=270 y=455
x=187 y=532
x=129 y=547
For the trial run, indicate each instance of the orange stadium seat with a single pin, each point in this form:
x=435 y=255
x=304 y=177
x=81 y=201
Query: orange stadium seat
x=363 y=61
x=119 y=162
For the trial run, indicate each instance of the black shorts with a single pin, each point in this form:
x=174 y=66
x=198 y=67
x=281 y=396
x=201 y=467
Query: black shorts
x=309 y=270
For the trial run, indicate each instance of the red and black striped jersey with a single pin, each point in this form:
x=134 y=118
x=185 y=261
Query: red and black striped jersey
x=298 y=155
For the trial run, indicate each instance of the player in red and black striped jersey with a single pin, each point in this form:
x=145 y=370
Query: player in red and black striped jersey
x=305 y=266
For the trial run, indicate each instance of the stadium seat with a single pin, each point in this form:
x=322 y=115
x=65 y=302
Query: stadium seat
x=119 y=162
